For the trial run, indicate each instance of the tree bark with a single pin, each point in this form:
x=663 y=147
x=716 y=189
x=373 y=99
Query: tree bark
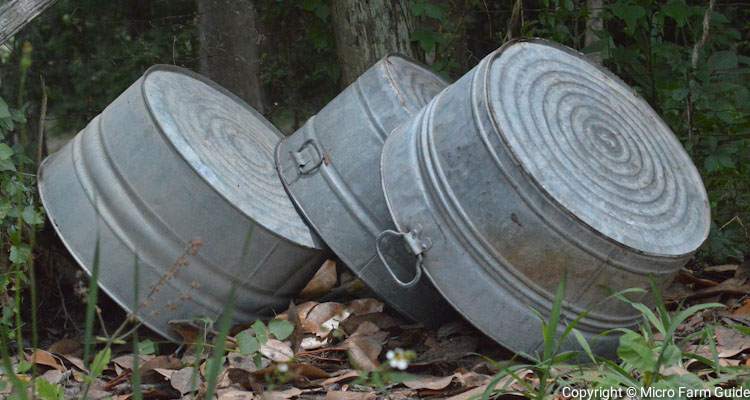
x=594 y=23
x=367 y=30
x=229 y=54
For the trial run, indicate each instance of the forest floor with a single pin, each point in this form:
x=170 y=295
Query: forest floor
x=339 y=342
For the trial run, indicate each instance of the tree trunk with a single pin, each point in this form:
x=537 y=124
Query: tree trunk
x=367 y=30
x=229 y=54
x=593 y=24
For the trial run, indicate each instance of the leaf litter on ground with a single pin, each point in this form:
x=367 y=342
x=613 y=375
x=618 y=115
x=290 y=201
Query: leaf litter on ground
x=336 y=348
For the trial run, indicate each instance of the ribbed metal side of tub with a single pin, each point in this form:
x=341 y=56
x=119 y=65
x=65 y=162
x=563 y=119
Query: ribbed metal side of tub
x=501 y=238
x=330 y=167
x=120 y=186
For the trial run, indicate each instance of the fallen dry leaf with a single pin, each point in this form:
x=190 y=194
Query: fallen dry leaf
x=448 y=350
x=363 y=352
x=277 y=351
x=319 y=315
x=364 y=346
x=469 y=394
x=722 y=269
x=731 y=286
x=730 y=342
x=728 y=362
x=160 y=362
x=42 y=357
x=233 y=394
x=365 y=306
x=312 y=343
x=126 y=361
x=241 y=377
x=687 y=277
x=338 y=395
x=366 y=328
x=429 y=382
x=743 y=311
x=340 y=376
x=237 y=360
x=282 y=394
x=67 y=347
x=472 y=379
x=181 y=380
x=309 y=371
x=54 y=376
x=166 y=373
x=301 y=310
x=323 y=281
x=507 y=385
x=96 y=394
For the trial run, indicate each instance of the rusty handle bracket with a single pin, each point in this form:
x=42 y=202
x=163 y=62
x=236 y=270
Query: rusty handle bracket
x=308 y=157
x=416 y=246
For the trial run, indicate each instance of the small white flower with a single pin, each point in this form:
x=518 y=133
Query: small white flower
x=398 y=359
x=283 y=368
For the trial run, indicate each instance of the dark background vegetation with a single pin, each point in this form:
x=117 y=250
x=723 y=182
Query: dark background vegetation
x=696 y=77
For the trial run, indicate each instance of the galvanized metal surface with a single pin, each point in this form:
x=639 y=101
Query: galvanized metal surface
x=535 y=166
x=330 y=167
x=172 y=160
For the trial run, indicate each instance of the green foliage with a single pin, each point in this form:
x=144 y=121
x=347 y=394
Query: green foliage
x=89 y=51
x=147 y=347
x=101 y=360
x=48 y=391
x=653 y=358
x=250 y=340
x=280 y=329
x=20 y=214
x=298 y=67
x=440 y=33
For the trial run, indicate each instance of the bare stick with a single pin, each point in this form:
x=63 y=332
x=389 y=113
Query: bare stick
x=704 y=38
x=42 y=118
x=515 y=24
x=694 y=63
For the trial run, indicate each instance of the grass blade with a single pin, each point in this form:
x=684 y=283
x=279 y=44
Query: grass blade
x=136 y=379
x=91 y=299
x=215 y=362
x=550 y=330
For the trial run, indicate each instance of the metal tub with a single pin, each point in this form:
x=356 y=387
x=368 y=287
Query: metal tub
x=539 y=166
x=177 y=175
x=330 y=167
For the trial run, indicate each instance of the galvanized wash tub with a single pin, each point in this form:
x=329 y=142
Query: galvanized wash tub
x=536 y=165
x=173 y=160
x=330 y=167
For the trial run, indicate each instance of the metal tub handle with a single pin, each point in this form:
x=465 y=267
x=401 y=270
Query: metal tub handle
x=416 y=245
x=309 y=157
